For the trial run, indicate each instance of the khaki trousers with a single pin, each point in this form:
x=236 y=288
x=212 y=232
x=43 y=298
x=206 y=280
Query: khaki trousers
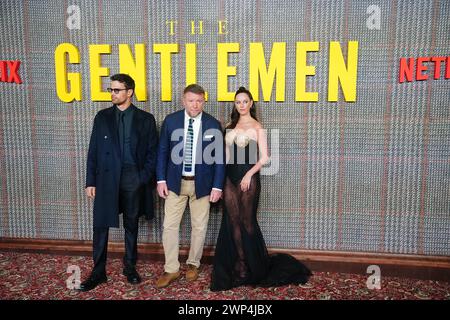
x=174 y=208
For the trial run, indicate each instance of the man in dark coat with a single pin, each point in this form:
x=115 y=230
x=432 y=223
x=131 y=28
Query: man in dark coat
x=120 y=176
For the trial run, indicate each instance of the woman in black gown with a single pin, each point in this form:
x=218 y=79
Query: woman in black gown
x=241 y=256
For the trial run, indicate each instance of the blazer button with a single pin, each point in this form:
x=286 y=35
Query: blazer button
x=107 y=153
x=106 y=170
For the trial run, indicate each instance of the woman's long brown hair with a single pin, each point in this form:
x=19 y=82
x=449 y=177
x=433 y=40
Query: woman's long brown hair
x=235 y=114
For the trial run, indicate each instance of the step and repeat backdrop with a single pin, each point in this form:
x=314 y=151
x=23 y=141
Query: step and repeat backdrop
x=354 y=95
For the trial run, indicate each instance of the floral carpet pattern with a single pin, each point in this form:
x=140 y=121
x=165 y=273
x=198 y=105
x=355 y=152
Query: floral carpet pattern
x=33 y=276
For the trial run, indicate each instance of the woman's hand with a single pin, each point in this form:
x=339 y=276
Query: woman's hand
x=245 y=182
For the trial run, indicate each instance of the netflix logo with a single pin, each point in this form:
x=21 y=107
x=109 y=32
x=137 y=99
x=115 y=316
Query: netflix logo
x=9 y=71
x=422 y=68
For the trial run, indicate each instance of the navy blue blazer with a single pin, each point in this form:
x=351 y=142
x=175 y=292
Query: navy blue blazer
x=104 y=163
x=210 y=154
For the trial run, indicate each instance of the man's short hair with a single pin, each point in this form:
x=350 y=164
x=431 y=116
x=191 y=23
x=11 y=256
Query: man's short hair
x=124 y=78
x=194 y=88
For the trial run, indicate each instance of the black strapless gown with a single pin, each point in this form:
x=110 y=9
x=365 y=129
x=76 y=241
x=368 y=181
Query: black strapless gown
x=241 y=256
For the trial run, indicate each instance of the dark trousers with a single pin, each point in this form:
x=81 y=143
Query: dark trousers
x=129 y=194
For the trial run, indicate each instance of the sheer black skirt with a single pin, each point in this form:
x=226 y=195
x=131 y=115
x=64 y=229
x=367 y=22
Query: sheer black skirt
x=241 y=256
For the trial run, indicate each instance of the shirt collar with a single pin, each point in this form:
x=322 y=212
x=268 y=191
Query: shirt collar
x=126 y=111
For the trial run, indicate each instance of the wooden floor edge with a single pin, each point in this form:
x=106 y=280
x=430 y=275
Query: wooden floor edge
x=401 y=265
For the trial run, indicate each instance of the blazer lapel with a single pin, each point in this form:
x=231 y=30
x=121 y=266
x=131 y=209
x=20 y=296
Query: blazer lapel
x=201 y=133
x=180 y=125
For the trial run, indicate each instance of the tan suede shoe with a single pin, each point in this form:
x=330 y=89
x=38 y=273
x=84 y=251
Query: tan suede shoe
x=167 y=278
x=192 y=273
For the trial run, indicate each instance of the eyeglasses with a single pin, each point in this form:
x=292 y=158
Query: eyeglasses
x=116 y=91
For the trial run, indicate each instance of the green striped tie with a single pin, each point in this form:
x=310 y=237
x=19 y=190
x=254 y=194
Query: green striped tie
x=188 y=147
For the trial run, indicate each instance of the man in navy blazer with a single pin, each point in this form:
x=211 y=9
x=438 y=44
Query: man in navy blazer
x=120 y=173
x=190 y=168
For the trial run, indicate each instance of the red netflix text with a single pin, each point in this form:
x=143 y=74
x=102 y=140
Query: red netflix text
x=9 y=71
x=423 y=68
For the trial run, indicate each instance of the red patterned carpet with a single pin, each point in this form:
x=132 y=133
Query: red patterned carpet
x=27 y=276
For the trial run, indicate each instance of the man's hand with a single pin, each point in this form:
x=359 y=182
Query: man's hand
x=90 y=192
x=215 y=195
x=162 y=190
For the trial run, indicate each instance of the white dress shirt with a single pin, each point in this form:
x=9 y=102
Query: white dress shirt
x=196 y=126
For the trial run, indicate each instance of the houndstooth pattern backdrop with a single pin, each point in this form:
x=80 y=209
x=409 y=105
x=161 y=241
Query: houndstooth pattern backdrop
x=372 y=175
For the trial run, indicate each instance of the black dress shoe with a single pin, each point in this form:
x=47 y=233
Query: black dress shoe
x=93 y=281
x=132 y=275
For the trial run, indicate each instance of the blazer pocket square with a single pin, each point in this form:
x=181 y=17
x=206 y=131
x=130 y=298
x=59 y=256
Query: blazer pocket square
x=209 y=137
